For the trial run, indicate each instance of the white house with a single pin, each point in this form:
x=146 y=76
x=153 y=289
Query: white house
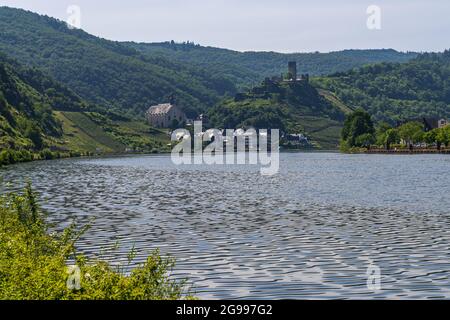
x=165 y=116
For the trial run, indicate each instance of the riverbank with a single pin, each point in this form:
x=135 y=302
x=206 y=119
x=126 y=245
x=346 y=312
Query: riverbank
x=33 y=262
x=407 y=151
x=227 y=243
x=10 y=157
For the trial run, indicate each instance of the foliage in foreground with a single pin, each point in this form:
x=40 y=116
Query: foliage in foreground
x=33 y=263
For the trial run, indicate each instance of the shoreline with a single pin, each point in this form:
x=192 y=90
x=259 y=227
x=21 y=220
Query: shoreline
x=407 y=151
x=371 y=151
x=59 y=156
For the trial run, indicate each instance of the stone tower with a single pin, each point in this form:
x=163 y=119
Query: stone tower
x=172 y=99
x=292 y=70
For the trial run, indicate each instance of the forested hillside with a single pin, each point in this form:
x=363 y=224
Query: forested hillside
x=292 y=107
x=130 y=77
x=392 y=92
x=41 y=118
x=105 y=72
x=247 y=68
x=96 y=79
x=27 y=100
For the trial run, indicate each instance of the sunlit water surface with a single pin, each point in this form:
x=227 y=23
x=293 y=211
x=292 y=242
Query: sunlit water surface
x=311 y=231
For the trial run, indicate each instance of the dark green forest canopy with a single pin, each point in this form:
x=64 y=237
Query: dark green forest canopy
x=274 y=106
x=393 y=91
x=33 y=93
x=105 y=72
x=94 y=74
x=27 y=100
x=249 y=68
x=41 y=118
x=131 y=77
x=358 y=127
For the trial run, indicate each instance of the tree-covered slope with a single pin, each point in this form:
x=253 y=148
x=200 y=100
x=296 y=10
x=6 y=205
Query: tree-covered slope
x=39 y=115
x=292 y=107
x=27 y=101
x=105 y=72
x=394 y=91
x=246 y=68
x=130 y=77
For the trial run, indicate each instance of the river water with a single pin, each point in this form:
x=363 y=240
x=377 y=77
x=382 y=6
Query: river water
x=312 y=231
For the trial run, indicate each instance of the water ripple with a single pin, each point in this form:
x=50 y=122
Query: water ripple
x=309 y=232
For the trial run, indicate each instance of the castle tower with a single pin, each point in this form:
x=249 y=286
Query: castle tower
x=172 y=99
x=292 y=70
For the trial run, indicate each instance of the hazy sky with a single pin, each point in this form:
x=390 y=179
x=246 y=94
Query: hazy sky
x=276 y=25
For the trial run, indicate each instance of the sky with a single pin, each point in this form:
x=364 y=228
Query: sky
x=263 y=25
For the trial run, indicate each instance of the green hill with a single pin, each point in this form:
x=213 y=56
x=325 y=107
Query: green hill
x=93 y=132
x=248 y=68
x=96 y=79
x=38 y=114
x=292 y=107
x=390 y=92
x=104 y=72
x=27 y=101
x=130 y=77
x=393 y=91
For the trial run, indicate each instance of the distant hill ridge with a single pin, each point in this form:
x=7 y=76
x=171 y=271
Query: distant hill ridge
x=293 y=106
x=129 y=77
x=394 y=92
x=39 y=114
x=105 y=72
x=248 y=68
x=27 y=101
x=94 y=74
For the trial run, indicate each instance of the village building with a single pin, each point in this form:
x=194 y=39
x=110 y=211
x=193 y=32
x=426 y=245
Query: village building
x=166 y=115
x=429 y=123
x=443 y=123
x=433 y=123
x=298 y=139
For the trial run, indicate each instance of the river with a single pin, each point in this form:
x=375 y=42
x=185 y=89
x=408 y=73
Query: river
x=312 y=231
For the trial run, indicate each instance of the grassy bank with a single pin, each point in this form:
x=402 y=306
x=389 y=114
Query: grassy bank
x=9 y=156
x=93 y=132
x=33 y=263
x=87 y=134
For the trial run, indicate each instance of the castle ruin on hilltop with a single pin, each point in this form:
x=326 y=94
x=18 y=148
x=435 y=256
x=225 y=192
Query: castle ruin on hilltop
x=272 y=84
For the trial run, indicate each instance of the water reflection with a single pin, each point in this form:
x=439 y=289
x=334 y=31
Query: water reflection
x=309 y=232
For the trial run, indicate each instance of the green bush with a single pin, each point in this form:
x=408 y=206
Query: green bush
x=33 y=263
x=32 y=132
x=9 y=156
x=74 y=154
x=46 y=154
x=358 y=129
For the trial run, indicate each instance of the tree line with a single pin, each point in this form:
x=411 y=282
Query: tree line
x=360 y=132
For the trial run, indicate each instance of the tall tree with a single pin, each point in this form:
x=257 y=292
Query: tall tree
x=391 y=137
x=358 y=123
x=410 y=131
